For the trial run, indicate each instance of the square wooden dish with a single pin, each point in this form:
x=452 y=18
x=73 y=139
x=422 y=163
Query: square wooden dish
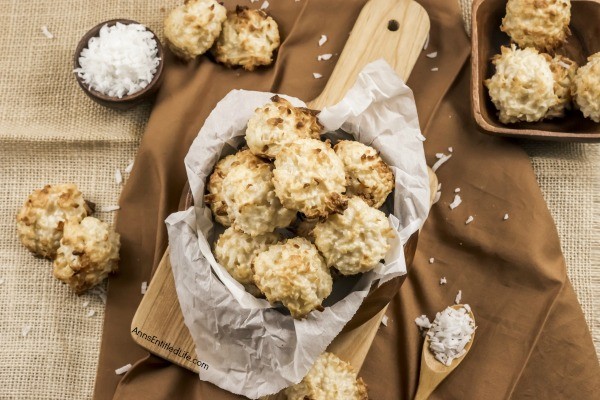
x=486 y=38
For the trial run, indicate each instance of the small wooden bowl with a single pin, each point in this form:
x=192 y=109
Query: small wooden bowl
x=486 y=38
x=127 y=101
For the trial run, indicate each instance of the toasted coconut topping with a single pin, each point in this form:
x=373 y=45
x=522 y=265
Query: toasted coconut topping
x=294 y=274
x=192 y=28
x=586 y=88
x=309 y=177
x=248 y=39
x=330 y=378
x=542 y=24
x=277 y=124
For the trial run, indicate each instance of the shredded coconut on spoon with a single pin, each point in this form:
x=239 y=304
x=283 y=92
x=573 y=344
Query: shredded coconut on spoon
x=121 y=61
x=450 y=333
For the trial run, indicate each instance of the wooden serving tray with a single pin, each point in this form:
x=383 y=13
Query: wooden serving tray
x=394 y=30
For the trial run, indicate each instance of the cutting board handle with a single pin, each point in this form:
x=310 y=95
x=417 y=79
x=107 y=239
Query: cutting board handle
x=394 y=30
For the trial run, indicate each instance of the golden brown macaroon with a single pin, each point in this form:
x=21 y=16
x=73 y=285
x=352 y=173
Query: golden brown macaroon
x=277 y=124
x=309 y=177
x=563 y=69
x=192 y=28
x=214 y=198
x=330 y=378
x=522 y=87
x=41 y=220
x=88 y=252
x=294 y=274
x=356 y=240
x=248 y=39
x=367 y=175
x=586 y=88
x=542 y=24
x=235 y=251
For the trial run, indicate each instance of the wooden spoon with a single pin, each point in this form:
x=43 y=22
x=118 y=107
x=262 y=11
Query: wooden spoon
x=434 y=372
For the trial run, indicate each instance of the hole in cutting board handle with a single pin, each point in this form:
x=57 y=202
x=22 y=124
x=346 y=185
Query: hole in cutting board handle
x=393 y=25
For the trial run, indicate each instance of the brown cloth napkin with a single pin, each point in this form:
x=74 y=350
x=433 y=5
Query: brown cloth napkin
x=532 y=340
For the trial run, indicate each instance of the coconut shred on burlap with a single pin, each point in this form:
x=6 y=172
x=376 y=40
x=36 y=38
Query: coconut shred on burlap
x=251 y=347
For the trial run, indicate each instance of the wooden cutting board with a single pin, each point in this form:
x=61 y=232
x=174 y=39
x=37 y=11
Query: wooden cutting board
x=394 y=30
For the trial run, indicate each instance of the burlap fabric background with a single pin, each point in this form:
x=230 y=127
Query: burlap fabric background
x=50 y=132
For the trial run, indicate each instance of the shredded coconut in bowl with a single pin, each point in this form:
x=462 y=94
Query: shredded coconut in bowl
x=450 y=333
x=121 y=60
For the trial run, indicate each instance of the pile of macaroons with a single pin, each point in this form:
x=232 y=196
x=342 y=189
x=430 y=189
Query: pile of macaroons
x=531 y=81
x=290 y=181
x=54 y=223
x=244 y=37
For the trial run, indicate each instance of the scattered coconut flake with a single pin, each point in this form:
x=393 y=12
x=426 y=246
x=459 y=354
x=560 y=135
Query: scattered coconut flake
x=505 y=217
x=144 y=287
x=439 y=155
x=421 y=137
x=426 y=43
x=316 y=75
x=439 y=162
x=431 y=260
x=264 y=5
x=433 y=54
x=439 y=186
x=384 y=320
x=49 y=34
x=118 y=176
x=100 y=292
x=443 y=281
x=456 y=202
x=563 y=64
x=123 y=369
x=449 y=334
x=91 y=312
x=253 y=1
x=458 y=297
x=436 y=69
x=108 y=208
x=322 y=40
x=457 y=190
x=85 y=304
x=469 y=220
x=324 y=57
x=129 y=167
x=25 y=330
x=450 y=149
x=423 y=322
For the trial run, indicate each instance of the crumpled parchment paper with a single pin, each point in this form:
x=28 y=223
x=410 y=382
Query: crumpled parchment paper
x=249 y=346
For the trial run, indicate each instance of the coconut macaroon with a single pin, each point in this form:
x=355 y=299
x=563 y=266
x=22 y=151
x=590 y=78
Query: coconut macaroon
x=522 y=88
x=235 y=251
x=41 y=220
x=214 y=198
x=192 y=28
x=367 y=175
x=309 y=177
x=88 y=252
x=330 y=378
x=542 y=24
x=250 y=196
x=586 y=88
x=356 y=240
x=277 y=124
x=563 y=69
x=248 y=39
x=295 y=274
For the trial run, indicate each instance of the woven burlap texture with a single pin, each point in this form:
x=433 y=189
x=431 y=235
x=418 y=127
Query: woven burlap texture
x=50 y=132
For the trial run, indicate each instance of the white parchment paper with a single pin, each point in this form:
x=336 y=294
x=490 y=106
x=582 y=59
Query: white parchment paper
x=250 y=347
